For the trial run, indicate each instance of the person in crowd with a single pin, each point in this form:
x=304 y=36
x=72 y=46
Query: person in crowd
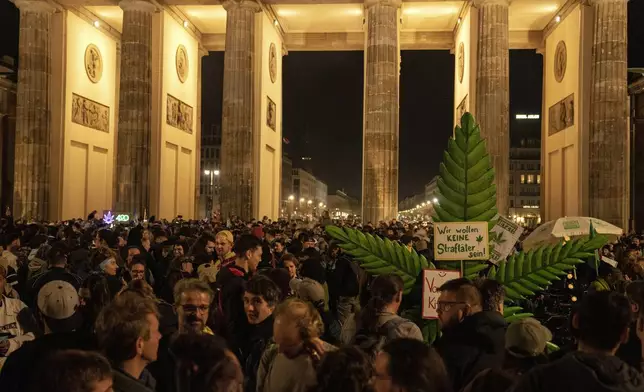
x=289 y=365
x=16 y=325
x=204 y=248
x=224 y=242
x=204 y=364
x=261 y=296
x=73 y=371
x=279 y=250
x=137 y=268
x=378 y=322
x=472 y=339
x=11 y=246
x=231 y=279
x=167 y=317
x=407 y=241
x=128 y=333
x=348 y=369
x=291 y=264
x=408 y=365
x=58 y=310
x=343 y=277
x=602 y=321
x=631 y=351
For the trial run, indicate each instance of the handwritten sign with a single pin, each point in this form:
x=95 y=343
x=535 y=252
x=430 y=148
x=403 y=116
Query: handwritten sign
x=461 y=241
x=432 y=280
x=503 y=236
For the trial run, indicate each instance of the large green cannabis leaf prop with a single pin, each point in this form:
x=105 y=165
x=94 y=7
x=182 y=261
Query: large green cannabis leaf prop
x=526 y=272
x=466 y=182
x=378 y=256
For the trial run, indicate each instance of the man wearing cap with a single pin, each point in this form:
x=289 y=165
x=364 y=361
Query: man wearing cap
x=58 y=310
x=56 y=270
x=13 y=314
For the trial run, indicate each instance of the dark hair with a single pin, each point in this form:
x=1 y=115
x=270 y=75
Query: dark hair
x=11 y=237
x=348 y=369
x=139 y=259
x=245 y=243
x=384 y=290
x=465 y=291
x=416 y=367
x=406 y=239
x=492 y=293
x=205 y=362
x=264 y=287
x=70 y=371
x=96 y=293
x=281 y=278
x=187 y=285
x=603 y=317
x=313 y=269
x=121 y=323
x=57 y=254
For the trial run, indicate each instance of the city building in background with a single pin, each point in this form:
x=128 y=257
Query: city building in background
x=309 y=195
x=525 y=169
x=7 y=130
x=286 y=184
x=209 y=186
x=342 y=206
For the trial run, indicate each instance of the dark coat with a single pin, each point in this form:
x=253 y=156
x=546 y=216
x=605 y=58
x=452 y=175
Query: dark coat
x=582 y=372
x=250 y=354
x=475 y=344
x=123 y=382
x=231 y=280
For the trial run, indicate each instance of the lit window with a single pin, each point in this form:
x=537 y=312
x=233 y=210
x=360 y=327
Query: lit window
x=530 y=178
x=538 y=178
x=523 y=178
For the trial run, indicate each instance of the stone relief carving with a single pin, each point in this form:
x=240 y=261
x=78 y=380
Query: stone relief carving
x=271 y=114
x=179 y=114
x=461 y=62
x=90 y=113
x=272 y=62
x=93 y=63
x=561 y=61
x=461 y=109
x=561 y=115
x=181 y=62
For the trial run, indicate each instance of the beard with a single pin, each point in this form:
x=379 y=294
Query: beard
x=194 y=323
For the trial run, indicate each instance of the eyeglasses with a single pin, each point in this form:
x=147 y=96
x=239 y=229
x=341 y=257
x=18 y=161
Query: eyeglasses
x=445 y=306
x=195 y=309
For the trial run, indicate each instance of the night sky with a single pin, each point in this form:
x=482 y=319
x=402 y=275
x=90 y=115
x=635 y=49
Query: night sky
x=323 y=94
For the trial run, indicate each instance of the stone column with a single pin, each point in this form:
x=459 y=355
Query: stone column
x=608 y=150
x=135 y=109
x=237 y=160
x=380 y=137
x=33 y=129
x=493 y=91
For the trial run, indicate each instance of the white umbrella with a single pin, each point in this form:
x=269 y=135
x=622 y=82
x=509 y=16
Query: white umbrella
x=575 y=226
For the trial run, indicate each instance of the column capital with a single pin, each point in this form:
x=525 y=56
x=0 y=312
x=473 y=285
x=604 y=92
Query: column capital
x=595 y=2
x=244 y=4
x=392 y=3
x=137 y=5
x=34 y=6
x=479 y=3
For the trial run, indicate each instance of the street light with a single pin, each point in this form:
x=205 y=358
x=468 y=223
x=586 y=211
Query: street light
x=291 y=197
x=321 y=204
x=302 y=200
x=216 y=172
x=309 y=202
x=206 y=172
x=435 y=200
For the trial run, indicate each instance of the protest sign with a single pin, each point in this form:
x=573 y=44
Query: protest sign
x=503 y=236
x=461 y=241
x=432 y=280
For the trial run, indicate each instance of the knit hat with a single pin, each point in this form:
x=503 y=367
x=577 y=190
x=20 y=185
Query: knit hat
x=227 y=235
x=527 y=338
x=58 y=302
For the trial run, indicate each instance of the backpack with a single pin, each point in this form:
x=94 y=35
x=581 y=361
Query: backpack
x=371 y=343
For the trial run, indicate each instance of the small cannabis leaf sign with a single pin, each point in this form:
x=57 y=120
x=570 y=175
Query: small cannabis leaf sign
x=479 y=239
x=108 y=218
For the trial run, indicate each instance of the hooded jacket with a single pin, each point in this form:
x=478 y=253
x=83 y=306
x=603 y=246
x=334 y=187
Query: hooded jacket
x=582 y=372
x=475 y=344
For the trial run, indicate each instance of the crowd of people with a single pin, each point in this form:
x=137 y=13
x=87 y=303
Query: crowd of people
x=199 y=306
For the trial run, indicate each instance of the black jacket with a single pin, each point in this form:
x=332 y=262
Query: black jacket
x=582 y=372
x=123 y=382
x=18 y=370
x=232 y=280
x=250 y=354
x=475 y=344
x=631 y=351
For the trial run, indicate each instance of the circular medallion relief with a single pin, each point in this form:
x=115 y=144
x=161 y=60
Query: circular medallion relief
x=181 y=61
x=93 y=63
x=272 y=62
x=461 y=62
x=561 y=60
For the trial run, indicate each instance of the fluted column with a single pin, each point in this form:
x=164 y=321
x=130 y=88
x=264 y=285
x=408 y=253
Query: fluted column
x=380 y=137
x=493 y=91
x=33 y=129
x=135 y=108
x=608 y=137
x=237 y=164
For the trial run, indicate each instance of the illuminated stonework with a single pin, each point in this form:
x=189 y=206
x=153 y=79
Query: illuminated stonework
x=181 y=60
x=272 y=63
x=561 y=61
x=93 y=63
x=179 y=114
x=461 y=62
x=90 y=113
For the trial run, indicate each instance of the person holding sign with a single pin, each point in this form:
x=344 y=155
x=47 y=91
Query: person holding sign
x=473 y=339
